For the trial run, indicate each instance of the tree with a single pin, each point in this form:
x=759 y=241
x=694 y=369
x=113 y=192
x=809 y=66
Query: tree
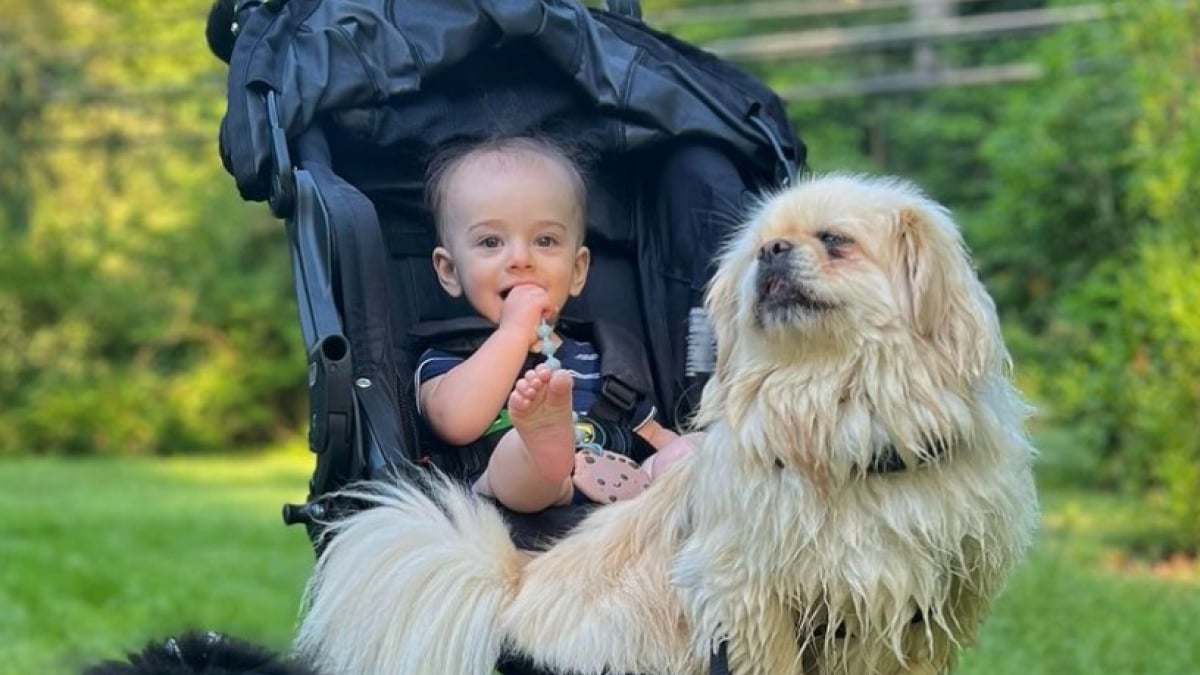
x=25 y=69
x=143 y=306
x=1160 y=291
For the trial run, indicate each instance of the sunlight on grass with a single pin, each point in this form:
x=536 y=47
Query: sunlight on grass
x=1069 y=610
x=279 y=466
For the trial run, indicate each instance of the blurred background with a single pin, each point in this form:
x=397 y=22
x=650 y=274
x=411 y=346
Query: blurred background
x=152 y=393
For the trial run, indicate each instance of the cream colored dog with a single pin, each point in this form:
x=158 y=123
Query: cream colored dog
x=863 y=489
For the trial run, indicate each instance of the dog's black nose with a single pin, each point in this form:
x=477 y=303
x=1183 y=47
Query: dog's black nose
x=773 y=250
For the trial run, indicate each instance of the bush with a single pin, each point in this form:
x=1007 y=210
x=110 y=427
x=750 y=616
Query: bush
x=1092 y=233
x=133 y=335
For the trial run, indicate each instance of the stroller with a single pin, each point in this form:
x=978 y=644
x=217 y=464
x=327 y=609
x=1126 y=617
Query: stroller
x=334 y=108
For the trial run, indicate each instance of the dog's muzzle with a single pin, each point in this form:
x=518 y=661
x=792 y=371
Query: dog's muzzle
x=780 y=290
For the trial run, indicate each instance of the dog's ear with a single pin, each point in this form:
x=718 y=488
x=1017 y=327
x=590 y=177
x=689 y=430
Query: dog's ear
x=948 y=306
x=721 y=304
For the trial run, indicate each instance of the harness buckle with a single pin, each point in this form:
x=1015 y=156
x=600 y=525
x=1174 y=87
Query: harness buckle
x=620 y=395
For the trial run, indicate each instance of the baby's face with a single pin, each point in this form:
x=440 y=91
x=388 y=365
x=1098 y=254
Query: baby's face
x=512 y=219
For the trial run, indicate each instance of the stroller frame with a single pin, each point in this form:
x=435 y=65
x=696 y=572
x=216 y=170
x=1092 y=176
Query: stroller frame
x=683 y=121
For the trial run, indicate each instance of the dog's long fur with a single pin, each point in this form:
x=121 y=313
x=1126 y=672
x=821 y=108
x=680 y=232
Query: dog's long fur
x=848 y=318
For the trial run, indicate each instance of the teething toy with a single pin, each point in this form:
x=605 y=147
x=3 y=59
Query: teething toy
x=547 y=349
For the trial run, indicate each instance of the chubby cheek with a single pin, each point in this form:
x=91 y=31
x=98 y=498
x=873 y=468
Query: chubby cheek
x=483 y=294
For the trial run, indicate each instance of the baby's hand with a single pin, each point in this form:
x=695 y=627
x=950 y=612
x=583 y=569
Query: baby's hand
x=525 y=306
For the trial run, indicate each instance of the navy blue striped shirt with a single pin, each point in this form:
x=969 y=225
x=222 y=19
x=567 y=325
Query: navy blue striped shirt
x=577 y=357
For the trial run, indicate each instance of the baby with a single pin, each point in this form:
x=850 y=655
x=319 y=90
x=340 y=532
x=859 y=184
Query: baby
x=510 y=221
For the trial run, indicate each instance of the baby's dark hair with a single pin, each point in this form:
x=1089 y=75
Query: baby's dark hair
x=450 y=158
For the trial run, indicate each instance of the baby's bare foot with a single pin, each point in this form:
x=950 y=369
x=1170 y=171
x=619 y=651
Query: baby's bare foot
x=540 y=408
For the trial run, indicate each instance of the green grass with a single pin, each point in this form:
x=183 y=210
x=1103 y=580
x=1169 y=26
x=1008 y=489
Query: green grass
x=98 y=556
x=1078 y=606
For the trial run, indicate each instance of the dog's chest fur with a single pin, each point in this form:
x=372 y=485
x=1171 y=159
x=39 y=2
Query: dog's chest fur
x=812 y=554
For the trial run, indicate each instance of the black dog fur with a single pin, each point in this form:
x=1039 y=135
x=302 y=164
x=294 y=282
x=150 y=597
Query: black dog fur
x=207 y=653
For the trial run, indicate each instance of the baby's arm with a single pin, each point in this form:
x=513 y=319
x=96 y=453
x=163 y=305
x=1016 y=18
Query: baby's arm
x=463 y=403
x=669 y=446
x=656 y=434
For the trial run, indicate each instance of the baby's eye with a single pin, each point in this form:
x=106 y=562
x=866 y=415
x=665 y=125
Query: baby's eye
x=546 y=241
x=490 y=241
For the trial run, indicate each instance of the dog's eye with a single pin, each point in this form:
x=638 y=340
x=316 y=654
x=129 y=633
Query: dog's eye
x=833 y=242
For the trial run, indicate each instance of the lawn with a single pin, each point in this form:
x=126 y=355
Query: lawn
x=100 y=555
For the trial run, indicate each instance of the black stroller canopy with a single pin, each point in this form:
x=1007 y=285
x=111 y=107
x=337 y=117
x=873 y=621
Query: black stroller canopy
x=613 y=84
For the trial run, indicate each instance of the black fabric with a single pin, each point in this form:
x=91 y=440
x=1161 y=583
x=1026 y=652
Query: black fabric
x=343 y=298
x=693 y=202
x=365 y=62
x=463 y=335
x=719 y=663
x=538 y=531
x=343 y=226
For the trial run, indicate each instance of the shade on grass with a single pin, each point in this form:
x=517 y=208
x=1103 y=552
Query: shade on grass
x=98 y=556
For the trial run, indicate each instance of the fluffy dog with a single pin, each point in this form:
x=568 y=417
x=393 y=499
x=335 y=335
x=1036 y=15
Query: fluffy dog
x=862 y=491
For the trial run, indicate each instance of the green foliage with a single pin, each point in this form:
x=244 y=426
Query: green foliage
x=1091 y=235
x=1057 y=178
x=1162 y=379
x=1053 y=234
x=23 y=80
x=1162 y=291
x=143 y=307
x=150 y=342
